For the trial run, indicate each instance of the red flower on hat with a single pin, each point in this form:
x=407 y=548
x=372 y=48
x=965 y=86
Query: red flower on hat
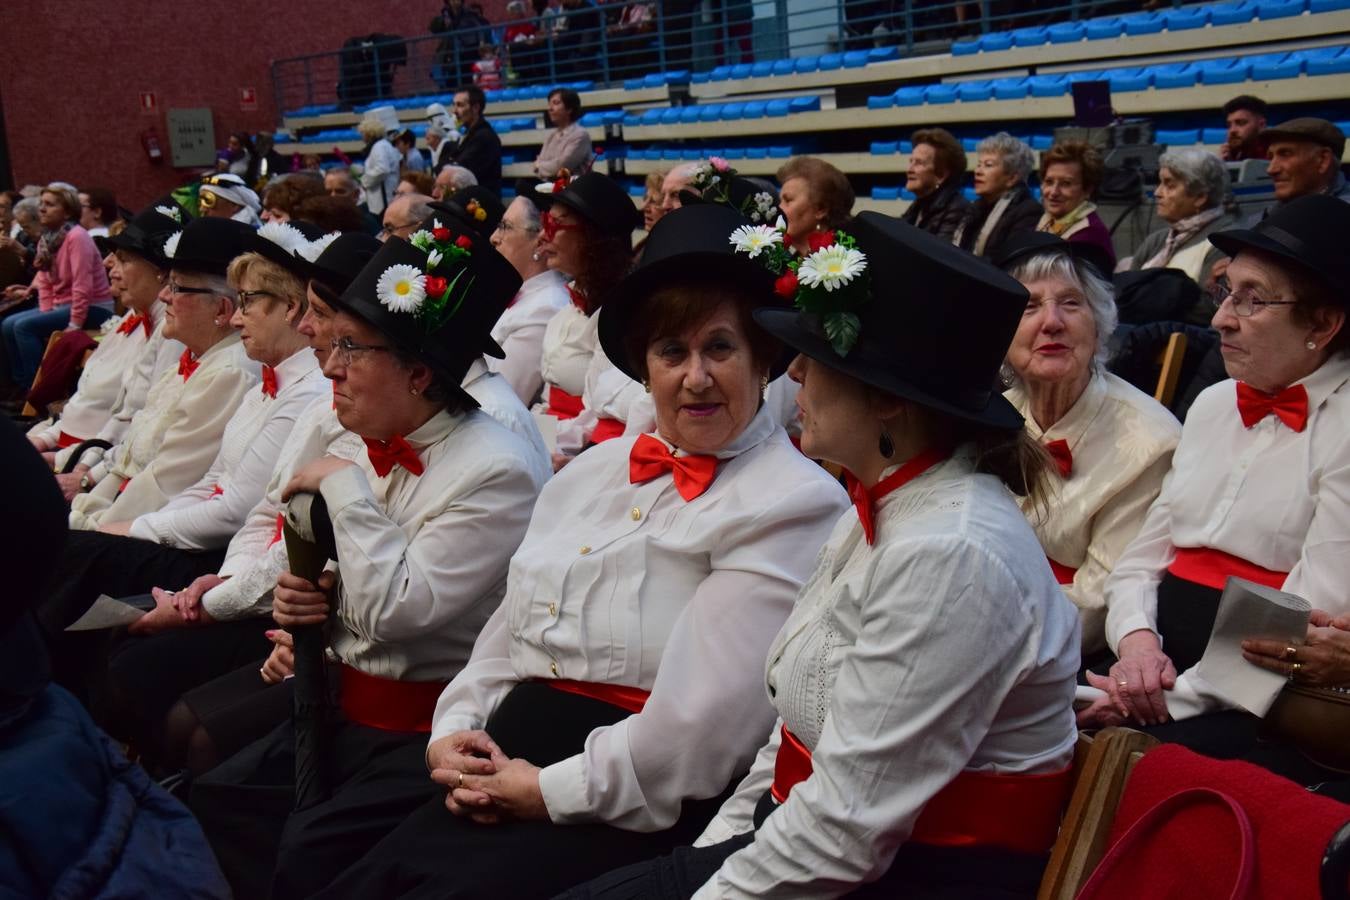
x=819 y=240
x=463 y=241
x=786 y=285
x=441 y=233
x=435 y=285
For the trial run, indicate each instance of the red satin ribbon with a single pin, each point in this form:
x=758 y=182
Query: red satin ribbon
x=269 y=382
x=1063 y=574
x=650 y=458
x=606 y=430
x=64 y=440
x=216 y=490
x=1059 y=451
x=1210 y=567
x=1290 y=405
x=130 y=323
x=187 y=364
x=384 y=455
x=388 y=704
x=578 y=299
x=276 y=535
x=562 y=404
x=865 y=499
x=977 y=809
x=621 y=695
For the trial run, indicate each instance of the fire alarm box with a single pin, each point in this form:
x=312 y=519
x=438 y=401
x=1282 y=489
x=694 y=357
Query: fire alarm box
x=150 y=144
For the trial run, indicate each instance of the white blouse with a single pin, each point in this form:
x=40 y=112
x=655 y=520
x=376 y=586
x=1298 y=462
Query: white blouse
x=422 y=559
x=570 y=342
x=496 y=398
x=1122 y=442
x=173 y=439
x=628 y=584
x=520 y=332
x=1267 y=494
x=253 y=560
x=207 y=515
x=945 y=646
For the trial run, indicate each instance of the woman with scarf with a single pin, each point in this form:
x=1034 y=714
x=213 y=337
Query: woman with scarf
x=936 y=166
x=1003 y=206
x=1070 y=173
x=71 y=284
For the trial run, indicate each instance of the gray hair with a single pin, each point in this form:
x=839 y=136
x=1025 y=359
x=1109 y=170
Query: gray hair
x=27 y=207
x=1017 y=158
x=1200 y=172
x=460 y=177
x=419 y=208
x=435 y=131
x=531 y=212
x=1096 y=290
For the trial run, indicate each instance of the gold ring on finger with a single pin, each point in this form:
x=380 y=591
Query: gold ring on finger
x=1290 y=652
x=1295 y=669
x=461 y=780
x=1123 y=682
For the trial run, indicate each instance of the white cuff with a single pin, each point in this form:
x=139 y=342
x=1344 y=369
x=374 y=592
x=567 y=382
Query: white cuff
x=563 y=785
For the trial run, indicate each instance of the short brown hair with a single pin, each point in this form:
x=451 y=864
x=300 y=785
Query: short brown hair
x=329 y=213
x=288 y=193
x=949 y=156
x=829 y=187
x=1089 y=162
x=673 y=309
x=422 y=182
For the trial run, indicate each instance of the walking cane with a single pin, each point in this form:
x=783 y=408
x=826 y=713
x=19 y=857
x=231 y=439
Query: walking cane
x=309 y=544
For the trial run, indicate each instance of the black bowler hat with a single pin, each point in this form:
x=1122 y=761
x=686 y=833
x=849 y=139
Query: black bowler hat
x=693 y=241
x=474 y=207
x=207 y=246
x=278 y=242
x=442 y=313
x=332 y=265
x=146 y=232
x=1308 y=231
x=1021 y=247
x=602 y=202
x=934 y=329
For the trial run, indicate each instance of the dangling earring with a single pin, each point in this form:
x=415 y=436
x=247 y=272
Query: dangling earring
x=646 y=385
x=535 y=256
x=1311 y=345
x=884 y=445
x=764 y=386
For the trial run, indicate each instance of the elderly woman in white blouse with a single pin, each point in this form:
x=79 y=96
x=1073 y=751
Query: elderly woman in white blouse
x=615 y=694
x=1260 y=483
x=924 y=681
x=1111 y=443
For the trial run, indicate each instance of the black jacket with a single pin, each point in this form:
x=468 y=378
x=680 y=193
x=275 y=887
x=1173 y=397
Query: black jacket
x=480 y=151
x=941 y=211
x=1023 y=214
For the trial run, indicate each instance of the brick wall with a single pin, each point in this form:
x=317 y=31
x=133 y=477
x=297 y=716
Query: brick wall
x=72 y=73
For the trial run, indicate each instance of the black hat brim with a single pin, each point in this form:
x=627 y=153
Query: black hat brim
x=790 y=327
x=1231 y=243
x=1036 y=243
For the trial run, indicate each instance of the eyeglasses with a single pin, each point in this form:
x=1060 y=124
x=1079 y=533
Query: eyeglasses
x=550 y=226
x=508 y=227
x=1245 y=301
x=248 y=298
x=347 y=349
x=393 y=230
x=176 y=288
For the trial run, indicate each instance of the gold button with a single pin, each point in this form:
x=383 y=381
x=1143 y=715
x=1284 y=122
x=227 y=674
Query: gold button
x=585 y=548
x=553 y=667
x=552 y=609
x=636 y=514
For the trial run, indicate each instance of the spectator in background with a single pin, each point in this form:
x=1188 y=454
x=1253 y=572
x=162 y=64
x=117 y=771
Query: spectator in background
x=457 y=49
x=577 y=37
x=629 y=38
x=284 y=195
x=415 y=183
x=480 y=150
x=1305 y=158
x=98 y=210
x=439 y=147
x=340 y=183
x=652 y=210
x=383 y=161
x=815 y=197
x=567 y=146
x=451 y=179
x=676 y=180
x=936 y=165
x=405 y=142
x=8 y=200
x=1245 y=117
x=1070 y=173
x=225 y=196
x=405 y=215
x=24 y=236
x=330 y=214
x=13 y=255
x=1004 y=205
x=487 y=71
x=240 y=157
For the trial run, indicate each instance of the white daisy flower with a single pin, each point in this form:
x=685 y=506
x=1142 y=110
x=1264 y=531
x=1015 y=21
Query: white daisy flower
x=314 y=249
x=833 y=267
x=284 y=235
x=402 y=288
x=171 y=212
x=434 y=258
x=752 y=239
x=171 y=244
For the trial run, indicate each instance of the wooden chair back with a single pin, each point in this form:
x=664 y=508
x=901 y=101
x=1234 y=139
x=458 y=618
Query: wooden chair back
x=1169 y=361
x=1101 y=764
x=29 y=411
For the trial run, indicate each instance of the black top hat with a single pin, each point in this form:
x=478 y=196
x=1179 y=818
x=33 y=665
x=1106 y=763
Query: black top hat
x=207 y=245
x=690 y=241
x=602 y=202
x=1024 y=245
x=934 y=330
x=336 y=265
x=146 y=232
x=1308 y=231
x=461 y=297
x=475 y=208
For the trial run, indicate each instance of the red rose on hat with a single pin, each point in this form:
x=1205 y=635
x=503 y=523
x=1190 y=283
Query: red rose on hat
x=786 y=285
x=463 y=241
x=441 y=233
x=435 y=285
x=819 y=240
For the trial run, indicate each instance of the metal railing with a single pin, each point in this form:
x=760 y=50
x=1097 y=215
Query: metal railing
x=607 y=45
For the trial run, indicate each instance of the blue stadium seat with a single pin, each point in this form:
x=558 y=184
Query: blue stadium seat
x=939 y=93
x=909 y=96
x=1213 y=135
x=885 y=101
x=693 y=154
x=974 y=91
x=885 y=193
x=654 y=80
x=907 y=195
x=637 y=190
x=690 y=113
x=1066 y=32
x=1328 y=64
x=995 y=41
x=671 y=116
x=970 y=144
x=720 y=73
x=1280 y=9
x=632 y=84
x=780 y=151
x=1321 y=6
x=591 y=120
x=1129 y=79
x=1042 y=141
x=1048 y=85
x=883 y=54
x=831 y=61
x=776 y=108
x=732 y=111
x=884 y=148
x=734 y=153
x=1143 y=23
x=1224 y=71
x=969 y=194
x=711 y=113
x=660 y=116
x=1104 y=29
x=754 y=110
x=677 y=76
x=906 y=147
x=855 y=59
x=1010 y=88
x=1178 y=138
x=1237 y=12
x=807 y=64
x=700 y=78
x=761 y=69
x=966 y=48
x=740 y=70
x=1029 y=37
x=784 y=67
x=804 y=104
x=672 y=153
x=1175 y=75
x=756 y=152
x=1269 y=66
x=632 y=118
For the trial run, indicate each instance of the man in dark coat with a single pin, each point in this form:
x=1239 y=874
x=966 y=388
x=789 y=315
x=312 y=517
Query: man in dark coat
x=480 y=150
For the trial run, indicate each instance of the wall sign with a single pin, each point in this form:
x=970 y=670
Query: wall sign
x=149 y=104
x=248 y=99
x=192 y=138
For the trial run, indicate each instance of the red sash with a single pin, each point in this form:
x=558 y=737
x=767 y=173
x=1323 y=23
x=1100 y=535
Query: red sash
x=620 y=695
x=1203 y=565
x=1063 y=574
x=1016 y=812
x=562 y=404
x=606 y=429
x=388 y=704
x=64 y=440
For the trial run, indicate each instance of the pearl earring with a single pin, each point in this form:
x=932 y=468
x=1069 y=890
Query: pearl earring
x=1311 y=345
x=413 y=391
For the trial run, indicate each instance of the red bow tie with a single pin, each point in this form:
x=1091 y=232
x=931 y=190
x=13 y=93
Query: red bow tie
x=384 y=455
x=650 y=458
x=1289 y=405
x=130 y=322
x=269 y=381
x=578 y=299
x=187 y=364
x=865 y=500
x=1063 y=457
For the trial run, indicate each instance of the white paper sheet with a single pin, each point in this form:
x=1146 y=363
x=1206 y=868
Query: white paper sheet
x=1250 y=610
x=548 y=430
x=108 y=612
